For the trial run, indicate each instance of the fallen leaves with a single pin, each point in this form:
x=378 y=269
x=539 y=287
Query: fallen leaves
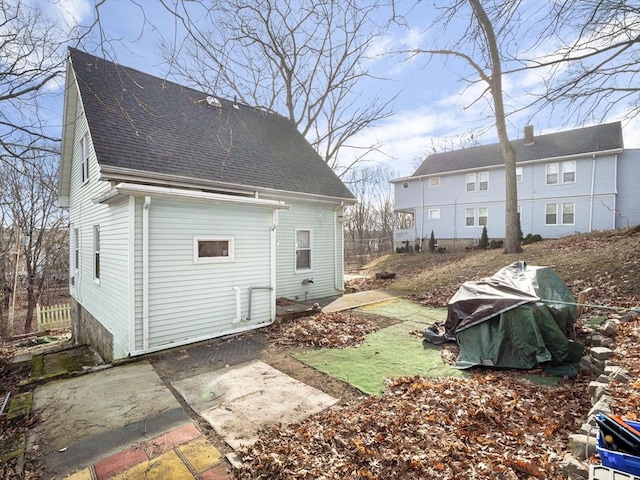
x=326 y=330
x=486 y=426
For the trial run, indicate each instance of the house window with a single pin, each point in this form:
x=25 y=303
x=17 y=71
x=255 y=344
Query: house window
x=84 y=151
x=96 y=252
x=568 y=213
x=213 y=249
x=552 y=174
x=470 y=217
x=519 y=174
x=483 y=181
x=568 y=172
x=76 y=249
x=304 y=240
x=434 y=182
x=471 y=182
x=483 y=216
x=434 y=214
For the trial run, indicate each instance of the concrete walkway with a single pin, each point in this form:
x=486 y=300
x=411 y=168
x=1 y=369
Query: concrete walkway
x=360 y=299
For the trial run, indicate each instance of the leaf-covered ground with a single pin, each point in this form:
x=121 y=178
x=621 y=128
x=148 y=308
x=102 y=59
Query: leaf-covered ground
x=487 y=426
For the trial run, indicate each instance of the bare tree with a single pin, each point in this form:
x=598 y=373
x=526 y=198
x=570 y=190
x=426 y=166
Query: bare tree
x=596 y=65
x=305 y=60
x=479 y=48
x=38 y=226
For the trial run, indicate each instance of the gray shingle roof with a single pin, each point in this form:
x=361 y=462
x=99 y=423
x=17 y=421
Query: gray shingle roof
x=598 y=138
x=141 y=122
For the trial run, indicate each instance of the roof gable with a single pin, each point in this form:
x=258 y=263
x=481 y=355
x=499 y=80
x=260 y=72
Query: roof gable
x=146 y=124
x=598 y=138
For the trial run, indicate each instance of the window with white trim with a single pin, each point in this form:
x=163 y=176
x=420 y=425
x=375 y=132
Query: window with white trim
x=519 y=174
x=567 y=217
x=519 y=213
x=470 y=217
x=559 y=173
x=483 y=216
x=76 y=249
x=434 y=182
x=304 y=245
x=96 y=253
x=434 y=214
x=84 y=152
x=569 y=172
x=213 y=249
x=471 y=182
x=483 y=181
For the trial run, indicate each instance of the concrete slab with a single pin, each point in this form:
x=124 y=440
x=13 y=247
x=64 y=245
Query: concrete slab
x=359 y=299
x=89 y=417
x=238 y=401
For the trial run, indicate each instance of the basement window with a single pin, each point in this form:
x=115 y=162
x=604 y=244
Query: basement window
x=213 y=249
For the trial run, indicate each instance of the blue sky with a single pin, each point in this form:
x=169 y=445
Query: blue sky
x=433 y=107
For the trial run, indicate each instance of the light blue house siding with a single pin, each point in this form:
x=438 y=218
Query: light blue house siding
x=628 y=200
x=602 y=186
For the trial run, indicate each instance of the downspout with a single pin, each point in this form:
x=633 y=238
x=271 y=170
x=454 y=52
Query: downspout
x=615 y=189
x=421 y=211
x=238 y=316
x=145 y=273
x=274 y=246
x=593 y=186
x=340 y=288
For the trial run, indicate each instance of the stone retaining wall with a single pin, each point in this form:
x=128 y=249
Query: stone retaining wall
x=88 y=331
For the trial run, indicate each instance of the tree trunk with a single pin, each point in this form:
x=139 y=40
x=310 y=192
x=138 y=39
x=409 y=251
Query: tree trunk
x=512 y=238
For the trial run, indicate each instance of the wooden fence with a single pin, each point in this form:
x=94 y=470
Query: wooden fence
x=53 y=316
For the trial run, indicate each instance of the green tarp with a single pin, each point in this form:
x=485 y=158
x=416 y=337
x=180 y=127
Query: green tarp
x=517 y=318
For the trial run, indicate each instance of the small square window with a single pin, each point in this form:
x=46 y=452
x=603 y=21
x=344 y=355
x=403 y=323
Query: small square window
x=434 y=182
x=213 y=249
x=434 y=214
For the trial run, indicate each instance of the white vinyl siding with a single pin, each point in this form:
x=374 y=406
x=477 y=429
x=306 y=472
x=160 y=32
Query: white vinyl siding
x=327 y=270
x=188 y=300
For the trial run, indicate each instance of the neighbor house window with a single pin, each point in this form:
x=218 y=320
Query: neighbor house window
x=519 y=174
x=552 y=173
x=483 y=216
x=96 y=252
x=84 y=152
x=76 y=249
x=519 y=213
x=568 y=172
x=568 y=213
x=471 y=182
x=213 y=249
x=304 y=240
x=434 y=182
x=483 y=181
x=470 y=217
x=567 y=216
x=434 y=214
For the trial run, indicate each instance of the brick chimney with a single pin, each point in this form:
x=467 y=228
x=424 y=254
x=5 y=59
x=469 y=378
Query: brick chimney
x=528 y=136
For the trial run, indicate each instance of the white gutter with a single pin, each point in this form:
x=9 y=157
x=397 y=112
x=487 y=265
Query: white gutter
x=140 y=176
x=593 y=186
x=340 y=288
x=145 y=273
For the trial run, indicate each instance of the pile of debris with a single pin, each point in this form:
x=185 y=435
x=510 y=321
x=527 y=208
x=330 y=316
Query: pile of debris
x=325 y=330
x=486 y=426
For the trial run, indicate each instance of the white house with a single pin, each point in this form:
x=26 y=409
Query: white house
x=574 y=181
x=189 y=214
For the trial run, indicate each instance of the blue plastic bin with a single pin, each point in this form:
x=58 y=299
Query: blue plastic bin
x=618 y=460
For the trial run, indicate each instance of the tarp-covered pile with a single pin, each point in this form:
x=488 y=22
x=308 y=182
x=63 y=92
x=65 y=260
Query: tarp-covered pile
x=518 y=318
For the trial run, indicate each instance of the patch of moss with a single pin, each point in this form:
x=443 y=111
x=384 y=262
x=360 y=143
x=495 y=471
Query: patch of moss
x=20 y=407
x=13 y=447
x=595 y=321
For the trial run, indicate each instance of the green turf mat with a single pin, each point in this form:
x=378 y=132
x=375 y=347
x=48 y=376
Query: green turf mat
x=388 y=353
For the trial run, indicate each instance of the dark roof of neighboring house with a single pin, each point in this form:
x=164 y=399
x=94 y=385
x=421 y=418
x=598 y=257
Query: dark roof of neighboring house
x=144 y=123
x=586 y=140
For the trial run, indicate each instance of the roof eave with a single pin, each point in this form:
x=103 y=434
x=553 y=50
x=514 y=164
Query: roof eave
x=141 y=176
x=66 y=151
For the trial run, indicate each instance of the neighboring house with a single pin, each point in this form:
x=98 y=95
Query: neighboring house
x=189 y=214
x=573 y=181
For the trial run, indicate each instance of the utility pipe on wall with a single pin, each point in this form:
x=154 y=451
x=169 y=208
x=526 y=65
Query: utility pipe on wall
x=273 y=238
x=593 y=186
x=338 y=287
x=238 y=307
